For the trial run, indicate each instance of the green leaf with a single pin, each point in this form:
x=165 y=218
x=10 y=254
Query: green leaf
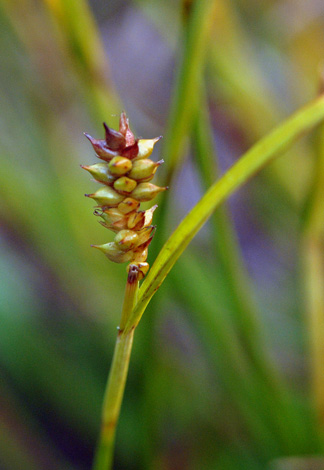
x=250 y=163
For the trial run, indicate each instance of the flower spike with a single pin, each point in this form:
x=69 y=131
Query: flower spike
x=125 y=176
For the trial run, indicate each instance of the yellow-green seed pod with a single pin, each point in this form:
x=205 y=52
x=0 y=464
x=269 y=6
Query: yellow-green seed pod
x=107 y=196
x=141 y=267
x=139 y=256
x=144 y=235
x=125 y=184
x=112 y=252
x=146 y=191
x=149 y=216
x=136 y=220
x=143 y=169
x=112 y=219
x=100 y=172
x=119 y=166
x=145 y=147
x=126 y=240
x=110 y=215
x=141 y=219
x=128 y=205
x=115 y=227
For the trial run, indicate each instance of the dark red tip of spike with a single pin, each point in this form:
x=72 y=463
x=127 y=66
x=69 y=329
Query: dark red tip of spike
x=115 y=140
x=101 y=148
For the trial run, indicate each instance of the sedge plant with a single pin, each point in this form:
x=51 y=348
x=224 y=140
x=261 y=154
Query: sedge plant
x=125 y=175
x=62 y=52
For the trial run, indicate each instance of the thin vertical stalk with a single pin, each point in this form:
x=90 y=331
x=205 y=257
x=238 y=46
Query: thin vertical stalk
x=185 y=96
x=116 y=381
x=313 y=264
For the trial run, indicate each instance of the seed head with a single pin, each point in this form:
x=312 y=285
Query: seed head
x=125 y=174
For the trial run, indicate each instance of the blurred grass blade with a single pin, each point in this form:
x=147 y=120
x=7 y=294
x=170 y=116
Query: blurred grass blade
x=228 y=259
x=23 y=443
x=80 y=29
x=75 y=20
x=238 y=76
x=313 y=272
x=226 y=249
x=185 y=95
x=258 y=156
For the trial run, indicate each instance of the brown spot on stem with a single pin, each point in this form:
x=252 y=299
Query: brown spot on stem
x=120 y=331
x=107 y=429
x=133 y=272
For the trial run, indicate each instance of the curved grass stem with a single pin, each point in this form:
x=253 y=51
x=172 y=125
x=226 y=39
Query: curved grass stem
x=116 y=381
x=253 y=161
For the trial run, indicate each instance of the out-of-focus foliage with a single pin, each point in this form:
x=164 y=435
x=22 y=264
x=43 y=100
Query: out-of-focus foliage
x=226 y=370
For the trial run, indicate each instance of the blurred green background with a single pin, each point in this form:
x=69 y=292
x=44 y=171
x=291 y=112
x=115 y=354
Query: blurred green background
x=225 y=356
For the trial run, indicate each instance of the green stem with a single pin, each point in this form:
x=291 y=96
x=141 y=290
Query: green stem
x=116 y=381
